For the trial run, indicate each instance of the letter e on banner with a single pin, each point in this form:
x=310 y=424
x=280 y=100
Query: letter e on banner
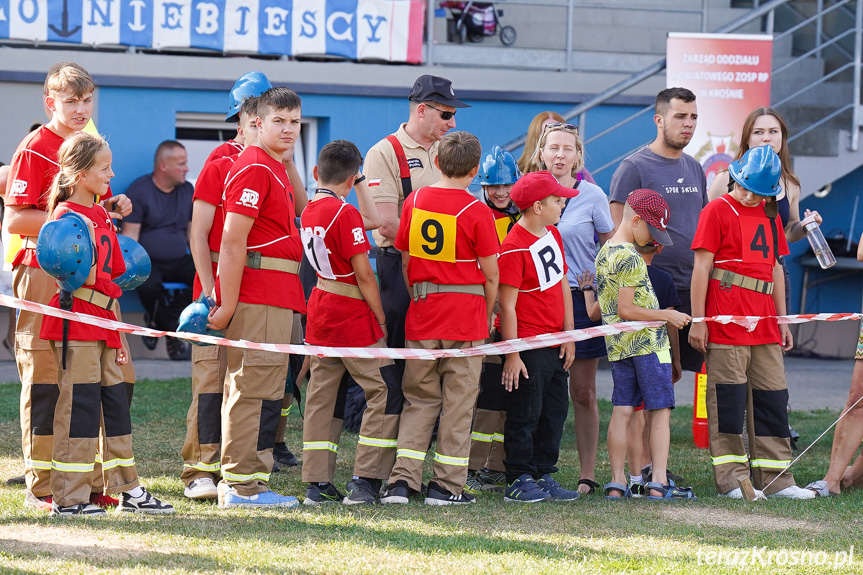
x=548 y=260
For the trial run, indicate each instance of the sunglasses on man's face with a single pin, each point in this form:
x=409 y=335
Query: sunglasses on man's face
x=561 y=125
x=445 y=116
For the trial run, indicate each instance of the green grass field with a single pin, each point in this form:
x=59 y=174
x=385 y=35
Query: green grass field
x=588 y=536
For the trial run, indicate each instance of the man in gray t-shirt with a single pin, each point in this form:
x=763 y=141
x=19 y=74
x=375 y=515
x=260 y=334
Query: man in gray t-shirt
x=679 y=178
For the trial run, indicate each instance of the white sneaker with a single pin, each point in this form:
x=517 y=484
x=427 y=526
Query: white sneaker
x=201 y=488
x=738 y=494
x=795 y=492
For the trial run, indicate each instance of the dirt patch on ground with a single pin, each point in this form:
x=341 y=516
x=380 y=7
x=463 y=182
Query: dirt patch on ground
x=65 y=542
x=735 y=519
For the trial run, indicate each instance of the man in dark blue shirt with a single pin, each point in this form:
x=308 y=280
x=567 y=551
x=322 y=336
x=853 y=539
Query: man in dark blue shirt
x=161 y=212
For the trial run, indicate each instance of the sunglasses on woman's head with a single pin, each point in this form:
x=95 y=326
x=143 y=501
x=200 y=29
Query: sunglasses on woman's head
x=562 y=125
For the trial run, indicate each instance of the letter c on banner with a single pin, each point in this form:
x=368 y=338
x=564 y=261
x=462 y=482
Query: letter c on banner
x=347 y=35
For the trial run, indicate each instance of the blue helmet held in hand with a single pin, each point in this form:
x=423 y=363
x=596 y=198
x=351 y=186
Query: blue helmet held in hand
x=759 y=171
x=498 y=168
x=194 y=319
x=137 y=262
x=64 y=250
x=249 y=84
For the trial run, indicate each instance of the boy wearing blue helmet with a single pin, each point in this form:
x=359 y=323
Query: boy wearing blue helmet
x=250 y=84
x=736 y=273
x=498 y=171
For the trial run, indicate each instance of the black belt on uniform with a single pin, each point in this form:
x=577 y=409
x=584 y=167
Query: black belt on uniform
x=390 y=251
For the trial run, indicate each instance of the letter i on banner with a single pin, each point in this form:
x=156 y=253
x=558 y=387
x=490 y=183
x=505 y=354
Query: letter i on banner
x=374 y=23
x=208 y=24
x=241 y=25
x=274 y=36
x=136 y=23
x=28 y=19
x=101 y=22
x=172 y=21
x=309 y=28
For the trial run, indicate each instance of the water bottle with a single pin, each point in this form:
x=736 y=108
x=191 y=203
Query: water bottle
x=819 y=245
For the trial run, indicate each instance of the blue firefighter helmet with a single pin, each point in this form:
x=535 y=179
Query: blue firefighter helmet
x=758 y=171
x=137 y=262
x=249 y=84
x=194 y=319
x=64 y=250
x=498 y=168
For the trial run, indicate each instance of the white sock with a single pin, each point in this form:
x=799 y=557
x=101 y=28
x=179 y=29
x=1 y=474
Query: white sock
x=136 y=493
x=635 y=479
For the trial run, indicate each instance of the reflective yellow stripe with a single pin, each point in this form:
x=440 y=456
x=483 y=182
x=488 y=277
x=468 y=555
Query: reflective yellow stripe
x=98 y=458
x=484 y=437
x=111 y=464
x=730 y=459
x=73 y=467
x=204 y=466
x=285 y=412
x=770 y=463
x=410 y=453
x=237 y=477
x=36 y=464
x=377 y=442
x=447 y=460
x=312 y=445
x=498 y=437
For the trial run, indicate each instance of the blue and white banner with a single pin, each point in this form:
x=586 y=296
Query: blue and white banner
x=390 y=30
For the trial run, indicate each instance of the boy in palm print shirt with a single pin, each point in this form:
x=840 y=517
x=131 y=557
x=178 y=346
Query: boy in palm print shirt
x=640 y=360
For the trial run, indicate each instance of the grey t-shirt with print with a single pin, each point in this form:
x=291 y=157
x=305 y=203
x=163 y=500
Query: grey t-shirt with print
x=684 y=186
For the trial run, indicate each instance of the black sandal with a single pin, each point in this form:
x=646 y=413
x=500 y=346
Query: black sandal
x=591 y=484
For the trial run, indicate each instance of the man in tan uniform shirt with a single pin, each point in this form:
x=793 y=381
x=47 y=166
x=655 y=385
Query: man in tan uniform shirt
x=432 y=114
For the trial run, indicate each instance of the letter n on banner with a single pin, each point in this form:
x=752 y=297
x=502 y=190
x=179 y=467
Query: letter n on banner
x=274 y=26
x=28 y=19
x=136 y=22
x=208 y=24
x=101 y=22
x=309 y=28
x=172 y=20
x=241 y=26
x=341 y=28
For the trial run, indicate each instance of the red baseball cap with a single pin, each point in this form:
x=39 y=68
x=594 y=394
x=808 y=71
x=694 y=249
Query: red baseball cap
x=535 y=187
x=653 y=209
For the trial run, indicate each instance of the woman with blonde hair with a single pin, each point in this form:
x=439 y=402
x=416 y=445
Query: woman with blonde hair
x=585 y=225
x=534 y=130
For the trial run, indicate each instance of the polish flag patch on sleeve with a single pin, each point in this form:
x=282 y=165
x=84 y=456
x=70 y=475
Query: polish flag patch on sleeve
x=375 y=182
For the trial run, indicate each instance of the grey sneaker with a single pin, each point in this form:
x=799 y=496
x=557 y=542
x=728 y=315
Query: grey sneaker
x=439 y=496
x=79 y=510
x=396 y=493
x=318 y=494
x=201 y=488
x=360 y=491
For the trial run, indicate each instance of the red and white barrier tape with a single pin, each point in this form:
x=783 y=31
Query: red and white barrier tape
x=504 y=347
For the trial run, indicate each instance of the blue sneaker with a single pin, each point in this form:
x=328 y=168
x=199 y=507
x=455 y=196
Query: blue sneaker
x=554 y=490
x=525 y=490
x=266 y=499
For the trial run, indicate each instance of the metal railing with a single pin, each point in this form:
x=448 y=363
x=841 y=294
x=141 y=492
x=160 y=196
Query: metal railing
x=767 y=12
x=571 y=7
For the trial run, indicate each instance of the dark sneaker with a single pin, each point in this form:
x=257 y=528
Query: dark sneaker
x=439 y=496
x=637 y=489
x=360 y=491
x=396 y=493
x=283 y=455
x=647 y=475
x=146 y=503
x=17 y=480
x=474 y=483
x=492 y=480
x=178 y=350
x=276 y=467
x=525 y=490
x=318 y=494
x=548 y=484
x=80 y=510
x=103 y=501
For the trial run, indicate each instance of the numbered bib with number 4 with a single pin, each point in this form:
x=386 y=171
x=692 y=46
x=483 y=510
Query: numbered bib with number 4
x=432 y=236
x=316 y=253
x=757 y=237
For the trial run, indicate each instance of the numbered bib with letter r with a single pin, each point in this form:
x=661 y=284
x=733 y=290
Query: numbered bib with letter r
x=548 y=260
x=316 y=253
x=757 y=239
x=432 y=236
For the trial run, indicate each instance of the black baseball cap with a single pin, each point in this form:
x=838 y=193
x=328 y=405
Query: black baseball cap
x=435 y=89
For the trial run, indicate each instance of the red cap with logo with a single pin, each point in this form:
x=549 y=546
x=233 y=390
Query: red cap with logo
x=535 y=187
x=653 y=209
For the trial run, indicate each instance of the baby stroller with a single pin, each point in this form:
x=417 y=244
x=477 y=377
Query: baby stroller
x=474 y=21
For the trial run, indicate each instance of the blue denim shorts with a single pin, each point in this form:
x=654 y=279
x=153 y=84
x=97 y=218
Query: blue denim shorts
x=643 y=378
x=589 y=348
